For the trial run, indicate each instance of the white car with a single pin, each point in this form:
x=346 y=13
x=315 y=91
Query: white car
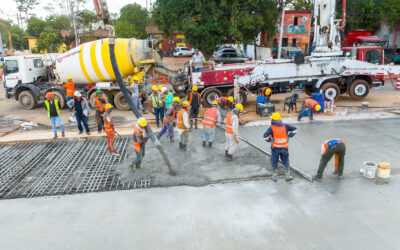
x=183 y=51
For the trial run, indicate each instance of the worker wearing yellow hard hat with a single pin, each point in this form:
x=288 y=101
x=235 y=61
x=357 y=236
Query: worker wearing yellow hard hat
x=232 y=131
x=109 y=128
x=183 y=125
x=169 y=119
x=69 y=86
x=157 y=103
x=278 y=135
x=139 y=140
x=211 y=117
x=225 y=104
x=309 y=107
x=195 y=104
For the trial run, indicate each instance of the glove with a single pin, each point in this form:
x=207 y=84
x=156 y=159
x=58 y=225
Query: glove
x=268 y=139
x=292 y=133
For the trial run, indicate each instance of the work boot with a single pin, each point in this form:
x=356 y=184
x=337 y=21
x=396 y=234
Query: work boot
x=195 y=124
x=145 y=112
x=317 y=178
x=115 y=153
x=226 y=153
x=171 y=139
x=312 y=120
x=180 y=145
x=229 y=157
x=184 y=147
x=55 y=136
x=98 y=131
x=158 y=136
x=191 y=124
x=138 y=164
x=210 y=144
x=63 y=134
x=204 y=143
x=288 y=176
x=275 y=175
x=340 y=176
x=131 y=165
x=80 y=132
x=88 y=133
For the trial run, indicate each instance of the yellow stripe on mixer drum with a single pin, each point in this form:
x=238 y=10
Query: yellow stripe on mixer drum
x=94 y=61
x=82 y=64
x=105 y=54
x=123 y=57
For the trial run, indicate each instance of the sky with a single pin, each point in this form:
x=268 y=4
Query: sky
x=8 y=8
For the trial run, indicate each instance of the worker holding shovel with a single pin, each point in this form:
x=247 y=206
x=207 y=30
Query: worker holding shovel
x=139 y=141
x=109 y=128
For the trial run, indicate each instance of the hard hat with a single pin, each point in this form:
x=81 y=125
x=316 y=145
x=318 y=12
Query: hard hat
x=239 y=106
x=230 y=98
x=195 y=88
x=268 y=91
x=317 y=107
x=215 y=104
x=160 y=87
x=98 y=91
x=163 y=89
x=275 y=116
x=48 y=95
x=176 y=99
x=108 y=106
x=196 y=50
x=77 y=94
x=69 y=78
x=142 y=122
x=186 y=104
x=135 y=78
x=154 y=88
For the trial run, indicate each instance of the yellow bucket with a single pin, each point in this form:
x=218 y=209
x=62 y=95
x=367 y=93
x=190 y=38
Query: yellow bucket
x=384 y=170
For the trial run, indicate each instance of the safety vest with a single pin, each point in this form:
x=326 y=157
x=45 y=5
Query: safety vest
x=210 y=118
x=181 y=124
x=107 y=127
x=156 y=104
x=263 y=91
x=100 y=106
x=222 y=101
x=311 y=102
x=70 y=86
x=229 y=127
x=136 y=145
x=172 y=115
x=47 y=103
x=280 y=139
x=191 y=98
x=329 y=143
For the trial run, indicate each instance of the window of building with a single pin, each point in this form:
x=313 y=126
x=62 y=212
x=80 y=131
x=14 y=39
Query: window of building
x=295 y=21
x=180 y=40
x=294 y=42
x=275 y=43
x=285 y=42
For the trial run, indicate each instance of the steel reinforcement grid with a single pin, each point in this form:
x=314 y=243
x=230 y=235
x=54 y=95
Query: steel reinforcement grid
x=61 y=167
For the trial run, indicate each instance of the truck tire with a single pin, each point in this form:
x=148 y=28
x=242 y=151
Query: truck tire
x=27 y=100
x=120 y=102
x=242 y=96
x=106 y=95
x=359 y=89
x=60 y=98
x=331 y=91
x=211 y=95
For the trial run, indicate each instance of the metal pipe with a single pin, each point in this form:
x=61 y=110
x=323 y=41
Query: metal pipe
x=343 y=22
x=136 y=112
x=281 y=33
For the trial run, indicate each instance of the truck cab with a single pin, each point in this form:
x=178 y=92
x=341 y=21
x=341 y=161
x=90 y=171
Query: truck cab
x=371 y=54
x=22 y=70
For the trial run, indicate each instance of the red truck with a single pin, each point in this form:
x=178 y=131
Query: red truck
x=361 y=38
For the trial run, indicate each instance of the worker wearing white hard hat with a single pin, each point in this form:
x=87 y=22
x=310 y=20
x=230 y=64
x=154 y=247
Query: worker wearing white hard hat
x=82 y=110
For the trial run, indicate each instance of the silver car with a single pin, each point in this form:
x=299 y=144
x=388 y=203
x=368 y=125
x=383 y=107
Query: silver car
x=183 y=51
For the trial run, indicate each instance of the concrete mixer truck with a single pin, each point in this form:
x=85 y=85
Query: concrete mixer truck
x=29 y=78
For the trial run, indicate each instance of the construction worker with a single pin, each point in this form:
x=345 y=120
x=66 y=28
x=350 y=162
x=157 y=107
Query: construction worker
x=211 y=116
x=168 y=97
x=109 y=128
x=329 y=148
x=232 y=131
x=278 y=134
x=197 y=61
x=195 y=103
x=53 y=112
x=136 y=97
x=309 y=106
x=157 y=104
x=139 y=141
x=169 y=119
x=225 y=104
x=99 y=103
x=70 y=88
x=183 y=125
x=82 y=111
x=266 y=92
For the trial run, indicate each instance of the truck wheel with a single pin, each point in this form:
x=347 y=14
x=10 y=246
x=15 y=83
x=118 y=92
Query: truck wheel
x=211 y=95
x=331 y=91
x=106 y=95
x=120 y=102
x=359 y=89
x=242 y=96
x=61 y=101
x=27 y=100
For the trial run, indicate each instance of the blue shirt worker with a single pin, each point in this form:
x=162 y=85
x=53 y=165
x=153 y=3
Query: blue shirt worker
x=278 y=134
x=170 y=119
x=82 y=110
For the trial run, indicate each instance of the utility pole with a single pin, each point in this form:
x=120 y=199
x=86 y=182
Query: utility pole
x=282 y=23
x=74 y=24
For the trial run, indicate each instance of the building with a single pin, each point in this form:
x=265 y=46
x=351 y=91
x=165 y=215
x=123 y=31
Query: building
x=177 y=39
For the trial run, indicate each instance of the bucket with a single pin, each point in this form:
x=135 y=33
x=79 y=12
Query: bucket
x=384 y=170
x=369 y=169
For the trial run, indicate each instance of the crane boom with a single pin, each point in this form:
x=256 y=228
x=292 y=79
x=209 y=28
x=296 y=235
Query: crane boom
x=9 y=38
x=104 y=15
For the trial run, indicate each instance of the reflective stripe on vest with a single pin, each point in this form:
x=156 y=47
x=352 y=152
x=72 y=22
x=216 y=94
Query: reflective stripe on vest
x=210 y=117
x=136 y=145
x=172 y=116
x=280 y=139
x=229 y=127
x=100 y=106
x=47 y=103
x=181 y=124
x=154 y=101
x=107 y=127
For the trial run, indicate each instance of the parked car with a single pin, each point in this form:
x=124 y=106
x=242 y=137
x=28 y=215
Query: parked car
x=183 y=51
x=224 y=50
x=230 y=57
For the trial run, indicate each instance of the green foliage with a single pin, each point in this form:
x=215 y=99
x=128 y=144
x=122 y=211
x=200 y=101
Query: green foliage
x=17 y=36
x=391 y=10
x=49 y=40
x=58 y=22
x=303 y=4
x=86 y=18
x=132 y=22
x=35 y=26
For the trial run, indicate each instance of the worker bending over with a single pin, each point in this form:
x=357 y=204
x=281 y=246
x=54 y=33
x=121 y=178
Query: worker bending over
x=266 y=92
x=109 y=128
x=82 y=111
x=329 y=148
x=169 y=119
x=99 y=103
x=70 y=87
x=53 y=112
x=195 y=102
x=232 y=131
x=183 y=125
x=139 y=141
x=278 y=134
x=157 y=104
x=309 y=106
x=211 y=116
x=225 y=104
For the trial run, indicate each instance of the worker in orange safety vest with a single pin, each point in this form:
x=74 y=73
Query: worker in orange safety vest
x=232 y=131
x=109 y=128
x=99 y=104
x=139 y=141
x=183 y=125
x=278 y=134
x=309 y=107
x=211 y=116
x=329 y=148
x=195 y=104
x=70 y=88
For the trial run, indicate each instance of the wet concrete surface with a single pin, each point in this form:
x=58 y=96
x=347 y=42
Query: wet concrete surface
x=366 y=140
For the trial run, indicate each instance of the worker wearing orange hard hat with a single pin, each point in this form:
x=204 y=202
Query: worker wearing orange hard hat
x=70 y=89
x=53 y=112
x=309 y=107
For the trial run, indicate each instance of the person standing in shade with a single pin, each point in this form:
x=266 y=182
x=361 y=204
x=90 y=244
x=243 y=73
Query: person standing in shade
x=329 y=148
x=232 y=131
x=99 y=103
x=157 y=104
x=197 y=61
x=211 y=116
x=82 y=111
x=70 y=88
x=53 y=112
x=139 y=141
x=195 y=104
x=169 y=119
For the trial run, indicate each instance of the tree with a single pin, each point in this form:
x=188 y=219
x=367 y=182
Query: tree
x=25 y=6
x=17 y=35
x=86 y=18
x=35 y=26
x=49 y=40
x=132 y=22
x=303 y=4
